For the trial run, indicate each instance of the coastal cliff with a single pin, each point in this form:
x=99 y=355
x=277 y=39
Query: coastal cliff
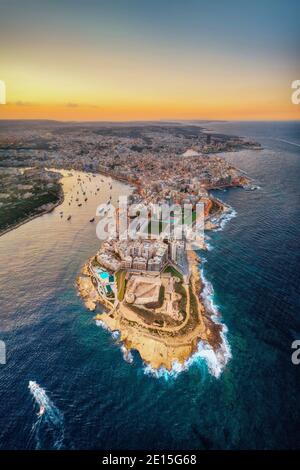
x=160 y=346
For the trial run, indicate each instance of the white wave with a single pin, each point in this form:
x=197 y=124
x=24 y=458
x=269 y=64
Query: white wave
x=115 y=334
x=49 y=416
x=207 y=295
x=214 y=360
x=102 y=325
x=209 y=247
x=289 y=142
x=127 y=356
x=229 y=214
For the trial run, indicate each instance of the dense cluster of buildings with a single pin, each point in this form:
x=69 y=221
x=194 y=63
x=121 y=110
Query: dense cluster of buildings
x=157 y=158
x=166 y=163
x=140 y=255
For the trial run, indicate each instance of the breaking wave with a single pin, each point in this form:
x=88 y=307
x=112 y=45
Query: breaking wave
x=127 y=356
x=207 y=295
x=229 y=214
x=215 y=360
x=209 y=247
x=115 y=334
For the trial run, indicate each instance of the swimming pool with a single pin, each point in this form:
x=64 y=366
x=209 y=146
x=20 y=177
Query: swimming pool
x=104 y=275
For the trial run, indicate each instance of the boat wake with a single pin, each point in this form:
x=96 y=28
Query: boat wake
x=48 y=430
x=289 y=142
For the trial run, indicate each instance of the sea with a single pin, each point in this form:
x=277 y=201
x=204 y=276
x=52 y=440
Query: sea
x=96 y=398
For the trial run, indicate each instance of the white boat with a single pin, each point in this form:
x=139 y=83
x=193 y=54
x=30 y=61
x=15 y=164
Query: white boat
x=39 y=395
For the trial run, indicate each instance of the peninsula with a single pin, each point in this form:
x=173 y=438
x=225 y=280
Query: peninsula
x=149 y=289
x=151 y=297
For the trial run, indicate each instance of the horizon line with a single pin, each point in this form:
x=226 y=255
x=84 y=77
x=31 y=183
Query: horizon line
x=146 y=120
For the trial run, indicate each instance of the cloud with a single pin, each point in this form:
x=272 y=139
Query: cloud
x=20 y=103
x=72 y=105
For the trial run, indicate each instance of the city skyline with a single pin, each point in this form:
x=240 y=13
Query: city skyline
x=102 y=61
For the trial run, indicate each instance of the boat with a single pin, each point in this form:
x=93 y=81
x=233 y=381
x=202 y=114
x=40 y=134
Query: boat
x=251 y=188
x=39 y=395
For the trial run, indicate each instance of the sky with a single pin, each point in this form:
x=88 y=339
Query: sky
x=118 y=60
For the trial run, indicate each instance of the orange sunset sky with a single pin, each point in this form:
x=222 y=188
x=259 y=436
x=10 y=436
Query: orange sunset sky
x=149 y=60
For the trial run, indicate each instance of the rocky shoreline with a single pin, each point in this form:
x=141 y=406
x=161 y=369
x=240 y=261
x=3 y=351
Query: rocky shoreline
x=161 y=347
x=157 y=347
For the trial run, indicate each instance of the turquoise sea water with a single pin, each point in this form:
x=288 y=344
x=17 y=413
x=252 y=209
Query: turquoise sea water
x=103 y=401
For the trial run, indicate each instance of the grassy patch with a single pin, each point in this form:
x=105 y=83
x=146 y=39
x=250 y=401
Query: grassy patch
x=161 y=295
x=148 y=316
x=174 y=272
x=182 y=303
x=16 y=210
x=193 y=302
x=121 y=284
